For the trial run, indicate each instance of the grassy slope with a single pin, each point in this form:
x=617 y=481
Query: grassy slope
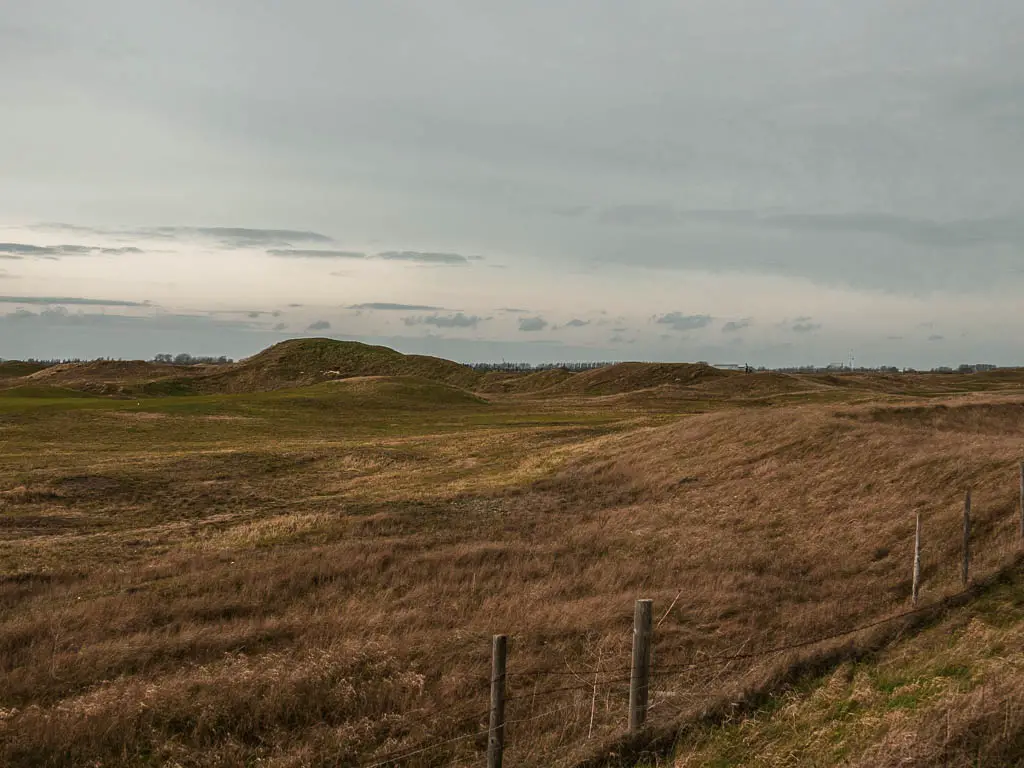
x=14 y=369
x=627 y=377
x=314 y=573
x=950 y=695
x=106 y=376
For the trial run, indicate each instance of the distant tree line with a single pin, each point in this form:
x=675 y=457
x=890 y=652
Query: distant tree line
x=179 y=359
x=531 y=367
x=184 y=358
x=962 y=368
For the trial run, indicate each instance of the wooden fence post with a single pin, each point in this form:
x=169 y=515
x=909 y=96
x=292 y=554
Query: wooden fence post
x=640 y=675
x=496 y=734
x=917 y=559
x=965 y=575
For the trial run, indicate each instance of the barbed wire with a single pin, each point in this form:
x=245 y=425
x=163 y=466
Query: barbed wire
x=395 y=757
x=657 y=676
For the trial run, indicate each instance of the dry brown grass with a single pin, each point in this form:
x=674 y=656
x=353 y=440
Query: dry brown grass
x=949 y=695
x=195 y=592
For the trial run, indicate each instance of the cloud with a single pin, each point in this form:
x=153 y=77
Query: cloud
x=280 y=327
x=514 y=310
x=737 y=325
x=458 y=320
x=891 y=251
x=17 y=250
x=936 y=337
x=237 y=237
x=260 y=234
x=319 y=325
x=388 y=306
x=915 y=230
x=422 y=257
x=59 y=315
x=227 y=236
x=954 y=233
x=570 y=211
x=680 y=322
x=804 y=325
x=643 y=215
x=50 y=300
x=121 y=251
x=20 y=250
x=5 y=275
x=531 y=324
x=308 y=253
x=576 y=323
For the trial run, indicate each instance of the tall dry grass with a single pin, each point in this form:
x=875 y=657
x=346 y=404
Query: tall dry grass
x=318 y=602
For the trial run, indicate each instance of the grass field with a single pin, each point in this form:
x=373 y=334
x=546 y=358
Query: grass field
x=309 y=573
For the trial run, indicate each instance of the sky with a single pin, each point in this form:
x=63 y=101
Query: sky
x=738 y=181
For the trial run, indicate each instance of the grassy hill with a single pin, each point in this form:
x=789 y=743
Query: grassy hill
x=111 y=377
x=301 y=362
x=16 y=369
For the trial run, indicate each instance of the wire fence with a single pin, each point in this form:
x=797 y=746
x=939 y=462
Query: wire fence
x=592 y=679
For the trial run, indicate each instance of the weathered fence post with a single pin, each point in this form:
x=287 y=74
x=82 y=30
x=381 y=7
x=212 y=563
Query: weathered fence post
x=496 y=734
x=966 y=570
x=917 y=559
x=640 y=676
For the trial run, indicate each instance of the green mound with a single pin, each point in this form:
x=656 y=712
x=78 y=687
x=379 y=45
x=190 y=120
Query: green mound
x=631 y=377
x=303 y=362
x=535 y=381
x=760 y=384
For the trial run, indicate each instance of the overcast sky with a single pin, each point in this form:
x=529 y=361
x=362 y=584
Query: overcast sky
x=767 y=181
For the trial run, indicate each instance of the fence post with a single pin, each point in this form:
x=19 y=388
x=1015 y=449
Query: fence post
x=966 y=570
x=496 y=734
x=640 y=675
x=917 y=559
